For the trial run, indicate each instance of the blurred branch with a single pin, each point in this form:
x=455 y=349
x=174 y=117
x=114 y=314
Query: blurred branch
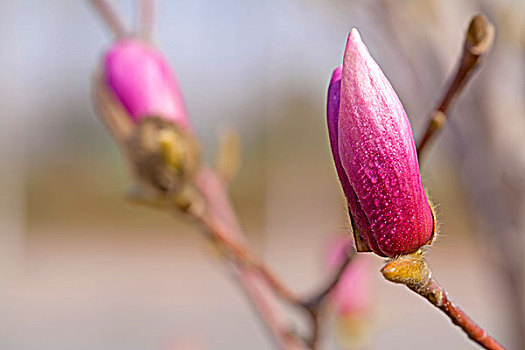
x=146 y=18
x=244 y=257
x=314 y=303
x=220 y=222
x=110 y=17
x=478 y=41
x=268 y=312
x=414 y=272
x=229 y=240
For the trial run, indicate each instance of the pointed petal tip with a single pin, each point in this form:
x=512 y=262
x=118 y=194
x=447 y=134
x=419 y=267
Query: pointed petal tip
x=354 y=33
x=336 y=74
x=354 y=36
x=354 y=47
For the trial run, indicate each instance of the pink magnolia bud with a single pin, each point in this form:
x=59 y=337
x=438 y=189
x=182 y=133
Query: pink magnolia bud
x=351 y=295
x=143 y=82
x=375 y=156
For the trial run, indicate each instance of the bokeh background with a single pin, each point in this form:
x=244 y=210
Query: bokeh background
x=80 y=268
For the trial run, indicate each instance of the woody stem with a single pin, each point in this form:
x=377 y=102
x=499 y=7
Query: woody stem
x=478 y=42
x=220 y=222
x=111 y=17
x=414 y=272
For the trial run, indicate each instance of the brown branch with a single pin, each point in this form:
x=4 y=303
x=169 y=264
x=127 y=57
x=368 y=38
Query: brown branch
x=220 y=222
x=110 y=17
x=414 y=272
x=283 y=338
x=232 y=241
x=245 y=257
x=250 y=278
x=478 y=41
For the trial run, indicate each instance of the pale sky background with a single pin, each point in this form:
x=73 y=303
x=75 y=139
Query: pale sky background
x=238 y=62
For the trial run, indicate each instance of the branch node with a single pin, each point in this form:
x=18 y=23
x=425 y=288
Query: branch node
x=438 y=120
x=411 y=270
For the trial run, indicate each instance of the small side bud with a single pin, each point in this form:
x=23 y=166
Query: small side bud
x=411 y=270
x=480 y=35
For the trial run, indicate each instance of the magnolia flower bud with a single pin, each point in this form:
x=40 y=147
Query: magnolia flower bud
x=351 y=297
x=352 y=293
x=375 y=157
x=143 y=82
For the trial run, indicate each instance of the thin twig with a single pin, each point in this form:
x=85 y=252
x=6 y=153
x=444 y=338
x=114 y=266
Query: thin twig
x=315 y=330
x=414 y=272
x=316 y=300
x=222 y=226
x=478 y=41
x=314 y=304
x=146 y=18
x=110 y=17
x=244 y=256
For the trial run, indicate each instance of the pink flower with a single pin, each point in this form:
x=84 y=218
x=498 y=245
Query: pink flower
x=351 y=296
x=375 y=156
x=143 y=82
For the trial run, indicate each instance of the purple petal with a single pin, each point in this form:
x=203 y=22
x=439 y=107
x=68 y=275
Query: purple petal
x=332 y=112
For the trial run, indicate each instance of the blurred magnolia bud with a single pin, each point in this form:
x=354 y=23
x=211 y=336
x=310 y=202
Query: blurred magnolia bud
x=351 y=297
x=141 y=104
x=352 y=293
x=375 y=157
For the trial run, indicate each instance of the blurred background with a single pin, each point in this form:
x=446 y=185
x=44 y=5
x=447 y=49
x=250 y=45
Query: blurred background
x=80 y=268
